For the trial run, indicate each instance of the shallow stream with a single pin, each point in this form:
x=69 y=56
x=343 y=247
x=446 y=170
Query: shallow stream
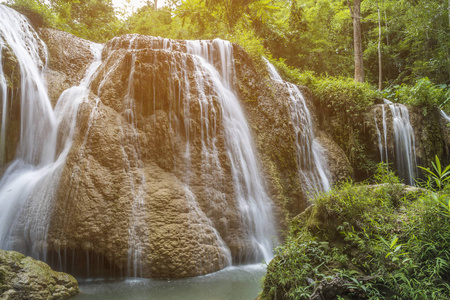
x=232 y=283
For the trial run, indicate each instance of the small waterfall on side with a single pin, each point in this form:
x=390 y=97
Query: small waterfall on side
x=446 y=117
x=311 y=158
x=382 y=138
x=30 y=182
x=404 y=141
x=254 y=203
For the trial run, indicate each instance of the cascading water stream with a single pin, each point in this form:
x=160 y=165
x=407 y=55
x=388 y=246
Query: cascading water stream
x=210 y=162
x=446 y=117
x=30 y=182
x=253 y=202
x=5 y=104
x=37 y=118
x=311 y=158
x=404 y=141
x=133 y=157
x=382 y=138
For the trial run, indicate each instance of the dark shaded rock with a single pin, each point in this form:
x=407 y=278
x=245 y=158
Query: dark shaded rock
x=328 y=290
x=11 y=71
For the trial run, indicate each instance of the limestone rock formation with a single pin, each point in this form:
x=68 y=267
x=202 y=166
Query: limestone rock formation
x=146 y=190
x=136 y=186
x=23 y=277
x=70 y=56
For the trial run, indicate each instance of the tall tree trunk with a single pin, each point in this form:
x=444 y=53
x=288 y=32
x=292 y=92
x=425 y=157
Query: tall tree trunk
x=357 y=40
x=380 y=66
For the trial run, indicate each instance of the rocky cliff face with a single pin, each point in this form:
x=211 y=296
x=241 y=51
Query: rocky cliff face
x=148 y=178
x=136 y=185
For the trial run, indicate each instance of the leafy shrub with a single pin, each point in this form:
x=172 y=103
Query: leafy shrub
x=386 y=242
x=423 y=94
x=437 y=178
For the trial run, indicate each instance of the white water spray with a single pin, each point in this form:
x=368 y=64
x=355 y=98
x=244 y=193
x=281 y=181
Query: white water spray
x=132 y=158
x=253 y=202
x=404 y=141
x=311 y=158
x=446 y=117
x=29 y=185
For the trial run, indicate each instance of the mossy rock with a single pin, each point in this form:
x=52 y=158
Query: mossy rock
x=23 y=277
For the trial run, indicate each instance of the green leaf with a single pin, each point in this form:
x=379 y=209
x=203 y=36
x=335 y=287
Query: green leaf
x=393 y=242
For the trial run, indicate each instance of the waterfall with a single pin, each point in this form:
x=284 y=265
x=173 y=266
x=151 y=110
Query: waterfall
x=382 y=138
x=253 y=202
x=133 y=157
x=446 y=117
x=30 y=182
x=404 y=141
x=311 y=158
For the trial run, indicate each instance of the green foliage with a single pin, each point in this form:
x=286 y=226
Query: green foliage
x=424 y=94
x=385 y=242
x=317 y=35
x=93 y=20
x=252 y=44
x=303 y=260
x=313 y=35
x=39 y=14
x=438 y=177
x=384 y=174
x=149 y=21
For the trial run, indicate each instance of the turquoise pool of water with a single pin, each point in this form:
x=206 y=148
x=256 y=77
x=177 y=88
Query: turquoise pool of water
x=232 y=283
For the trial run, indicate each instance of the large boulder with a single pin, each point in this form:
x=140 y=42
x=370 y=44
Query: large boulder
x=22 y=277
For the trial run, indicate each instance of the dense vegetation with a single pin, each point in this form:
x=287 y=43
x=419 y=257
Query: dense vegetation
x=310 y=35
x=379 y=241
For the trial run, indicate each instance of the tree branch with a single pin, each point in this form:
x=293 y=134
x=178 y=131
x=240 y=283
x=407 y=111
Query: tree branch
x=350 y=8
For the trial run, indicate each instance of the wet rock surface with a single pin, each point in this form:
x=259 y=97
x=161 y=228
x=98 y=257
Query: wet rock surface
x=68 y=58
x=23 y=277
x=267 y=105
x=139 y=183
